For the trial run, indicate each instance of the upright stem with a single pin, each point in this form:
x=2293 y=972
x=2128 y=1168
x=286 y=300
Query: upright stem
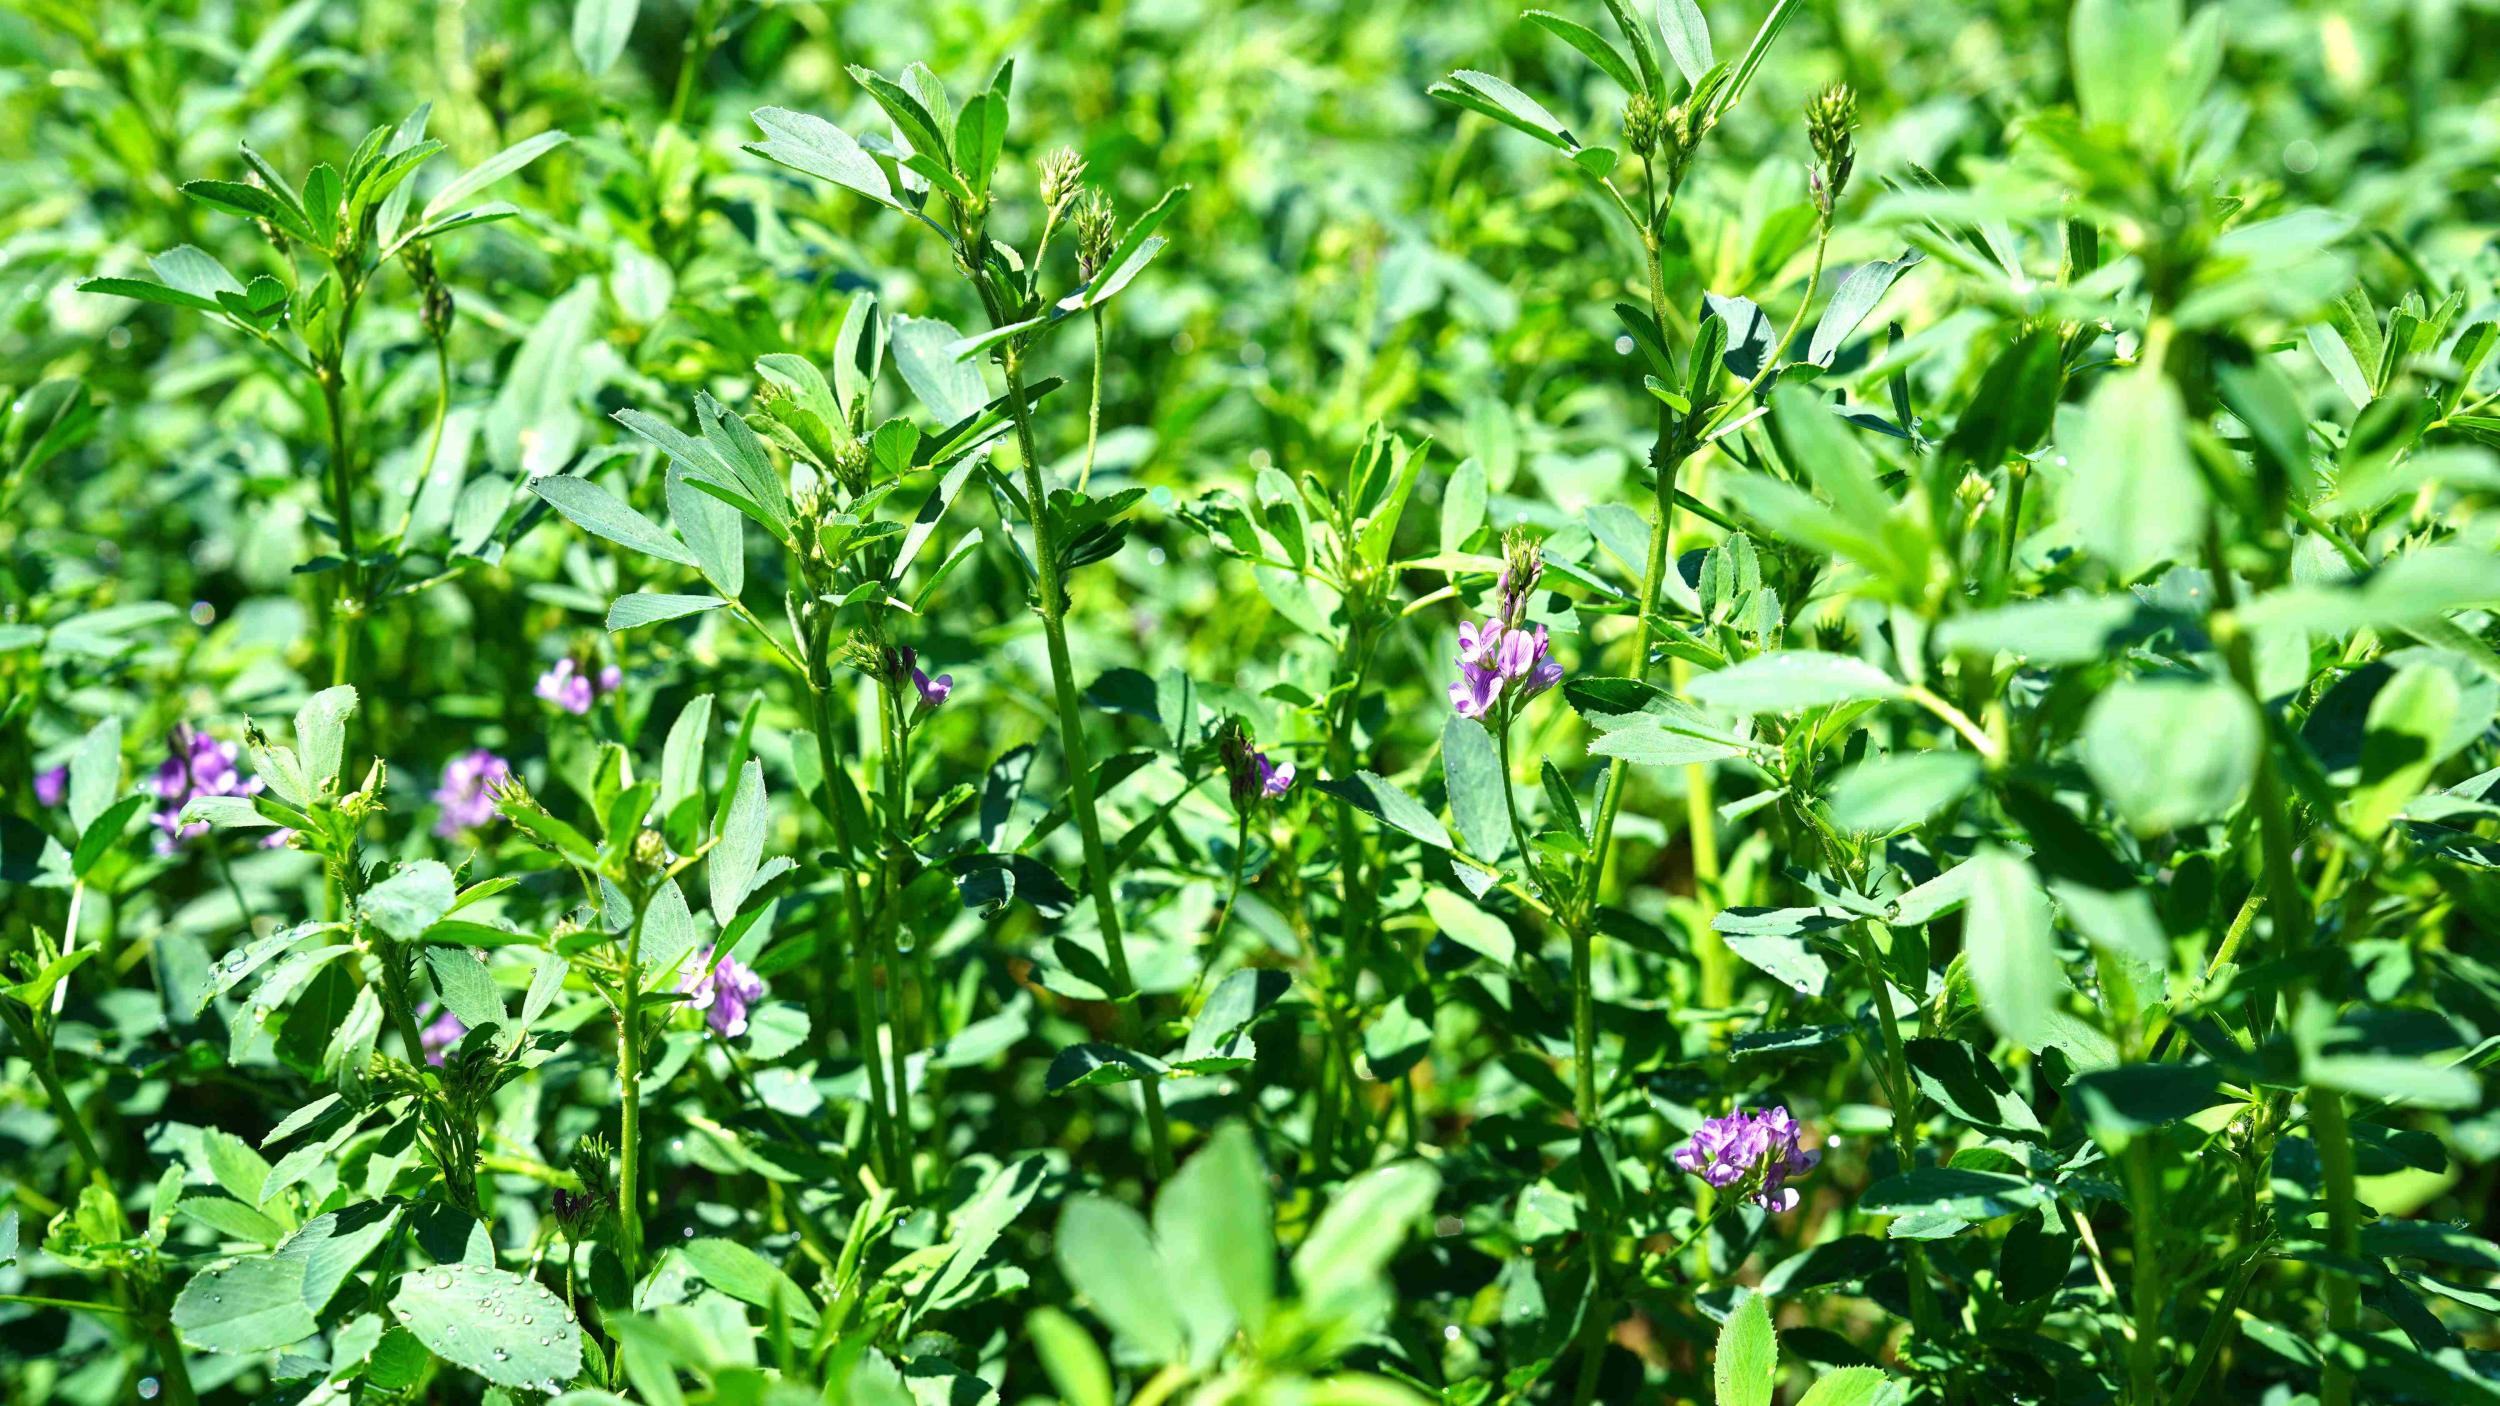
x=1072 y=741
x=2144 y=1359
x=1902 y=1092
x=344 y=621
x=1093 y=406
x=889 y=868
x=2292 y=924
x=863 y=972
x=629 y=1094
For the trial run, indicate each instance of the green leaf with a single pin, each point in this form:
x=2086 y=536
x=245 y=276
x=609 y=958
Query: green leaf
x=749 y=1278
x=95 y=774
x=597 y=510
x=1471 y=927
x=1747 y=1365
x=1958 y=1192
x=1497 y=99
x=1069 y=1357
x=410 y=901
x=1857 y=296
x=252 y=1305
x=100 y=838
x=2136 y=499
x=1385 y=803
x=460 y=979
x=2401 y=744
x=2013 y=962
x=1847 y=1386
x=1887 y=794
x=815 y=147
x=510 y=1330
x=1110 y=1259
x=485 y=173
x=600 y=29
x=651 y=607
x=1471 y=768
x=1688 y=38
x=1788 y=680
x=2171 y=750
x=1213 y=1226
x=1362 y=1229
x=1589 y=42
x=740 y=852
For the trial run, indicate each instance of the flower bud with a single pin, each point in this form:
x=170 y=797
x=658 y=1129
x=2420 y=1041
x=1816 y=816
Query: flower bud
x=1095 y=231
x=1523 y=562
x=1830 y=116
x=1062 y=174
x=1642 y=125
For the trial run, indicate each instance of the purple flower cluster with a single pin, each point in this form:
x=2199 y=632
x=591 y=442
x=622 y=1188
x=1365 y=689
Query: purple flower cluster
x=196 y=764
x=1757 y=1150
x=723 y=992
x=467 y=795
x=932 y=691
x=1499 y=660
x=440 y=1034
x=567 y=687
x=52 y=787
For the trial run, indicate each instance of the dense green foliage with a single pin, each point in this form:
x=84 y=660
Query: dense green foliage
x=715 y=701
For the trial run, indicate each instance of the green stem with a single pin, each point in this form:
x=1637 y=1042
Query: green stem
x=2219 y=1330
x=863 y=973
x=1072 y=741
x=2343 y=1234
x=1902 y=1091
x=890 y=867
x=2144 y=1358
x=344 y=622
x=1093 y=406
x=629 y=1095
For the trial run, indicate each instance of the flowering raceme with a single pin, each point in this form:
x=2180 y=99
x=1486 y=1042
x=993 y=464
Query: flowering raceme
x=1502 y=658
x=196 y=764
x=723 y=992
x=567 y=687
x=1757 y=1150
x=467 y=795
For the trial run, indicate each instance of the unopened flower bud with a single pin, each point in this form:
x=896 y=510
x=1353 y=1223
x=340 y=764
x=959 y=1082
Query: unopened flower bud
x=1062 y=175
x=650 y=851
x=1523 y=562
x=1830 y=117
x=1095 y=229
x=1641 y=124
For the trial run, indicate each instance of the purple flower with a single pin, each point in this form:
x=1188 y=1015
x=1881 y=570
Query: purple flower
x=611 y=679
x=1250 y=774
x=440 y=1034
x=467 y=794
x=1757 y=1150
x=1494 y=660
x=566 y=686
x=51 y=786
x=196 y=764
x=724 y=993
x=932 y=691
x=1274 y=779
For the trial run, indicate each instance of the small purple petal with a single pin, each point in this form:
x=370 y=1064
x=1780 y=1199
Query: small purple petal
x=724 y=993
x=52 y=787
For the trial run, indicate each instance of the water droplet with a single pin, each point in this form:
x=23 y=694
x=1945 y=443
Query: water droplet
x=544 y=1340
x=501 y=1355
x=528 y=1318
x=148 y=1388
x=442 y=1281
